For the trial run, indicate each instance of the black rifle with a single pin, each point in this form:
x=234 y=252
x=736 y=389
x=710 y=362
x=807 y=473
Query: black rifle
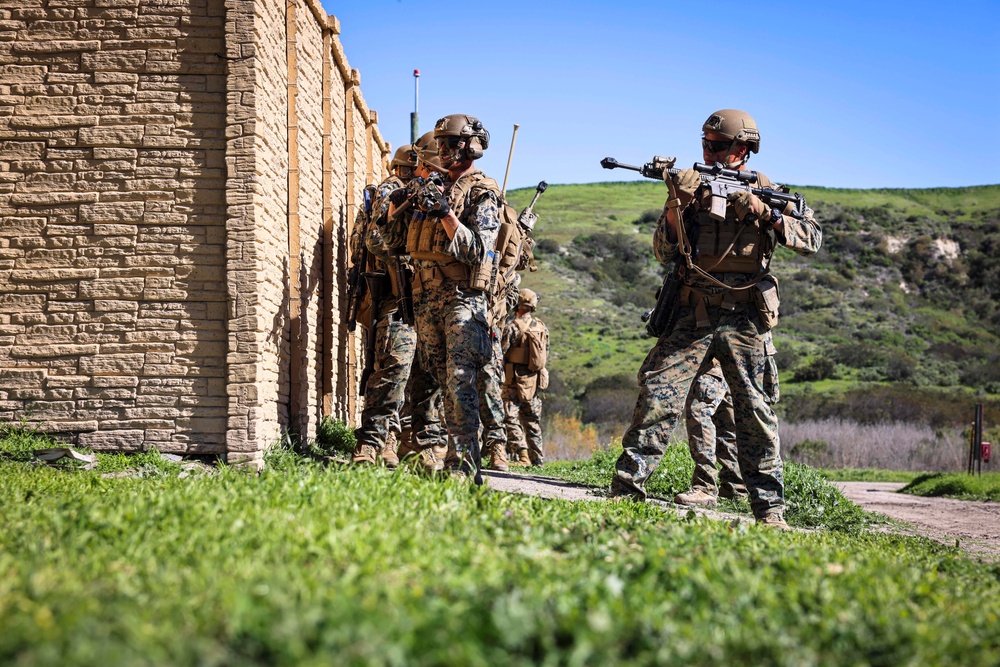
x=662 y=318
x=404 y=282
x=720 y=181
x=355 y=285
x=375 y=281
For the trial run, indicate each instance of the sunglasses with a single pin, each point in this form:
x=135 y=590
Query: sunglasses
x=715 y=146
x=450 y=142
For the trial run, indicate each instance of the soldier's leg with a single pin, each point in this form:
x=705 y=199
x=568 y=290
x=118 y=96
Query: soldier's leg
x=385 y=396
x=706 y=394
x=512 y=421
x=742 y=355
x=491 y=409
x=531 y=420
x=665 y=378
x=730 y=478
x=468 y=350
x=426 y=389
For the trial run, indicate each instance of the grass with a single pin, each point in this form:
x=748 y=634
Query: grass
x=811 y=502
x=984 y=487
x=868 y=475
x=310 y=565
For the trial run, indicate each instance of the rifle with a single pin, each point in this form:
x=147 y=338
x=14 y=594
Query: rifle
x=375 y=282
x=662 y=318
x=720 y=181
x=404 y=282
x=355 y=285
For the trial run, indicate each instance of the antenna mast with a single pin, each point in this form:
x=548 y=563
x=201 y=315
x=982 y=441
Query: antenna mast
x=415 y=116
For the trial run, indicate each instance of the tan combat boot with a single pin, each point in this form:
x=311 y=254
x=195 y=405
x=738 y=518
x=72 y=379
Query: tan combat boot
x=774 y=520
x=498 y=459
x=522 y=458
x=389 y=457
x=364 y=455
x=695 y=498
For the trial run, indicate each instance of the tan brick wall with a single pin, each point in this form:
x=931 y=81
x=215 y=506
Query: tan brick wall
x=145 y=238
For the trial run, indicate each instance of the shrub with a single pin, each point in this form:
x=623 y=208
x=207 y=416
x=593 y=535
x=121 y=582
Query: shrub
x=333 y=437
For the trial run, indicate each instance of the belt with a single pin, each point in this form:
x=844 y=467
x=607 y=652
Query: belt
x=701 y=301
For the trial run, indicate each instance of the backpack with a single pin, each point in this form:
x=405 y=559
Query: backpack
x=513 y=253
x=533 y=348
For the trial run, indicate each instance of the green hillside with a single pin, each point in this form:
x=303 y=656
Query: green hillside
x=901 y=302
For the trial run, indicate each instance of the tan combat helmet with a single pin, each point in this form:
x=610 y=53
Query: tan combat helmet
x=405 y=156
x=466 y=127
x=427 y=152
x=736 y=125
x=527 y=299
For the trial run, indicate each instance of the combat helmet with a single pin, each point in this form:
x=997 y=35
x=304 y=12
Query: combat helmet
x=405 y=156
x=427 y=152
x=466 y=127
x=526 y=298
x=736 y=125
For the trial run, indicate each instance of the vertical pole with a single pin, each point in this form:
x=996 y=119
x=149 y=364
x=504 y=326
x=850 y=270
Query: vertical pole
x=415 y=116
x=979 y=439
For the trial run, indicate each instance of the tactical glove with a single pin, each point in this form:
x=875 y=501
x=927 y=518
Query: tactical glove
x=682 y=185
x=433 y=201
x=747 y=204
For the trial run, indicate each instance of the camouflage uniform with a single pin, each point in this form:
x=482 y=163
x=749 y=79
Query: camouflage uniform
x=713 y=323
x=523 y=417
x=453 y=335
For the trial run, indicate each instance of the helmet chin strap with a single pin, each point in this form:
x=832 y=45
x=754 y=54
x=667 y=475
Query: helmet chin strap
x=738 y=163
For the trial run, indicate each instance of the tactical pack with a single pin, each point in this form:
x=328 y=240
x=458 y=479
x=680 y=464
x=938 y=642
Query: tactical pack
x=532 y=345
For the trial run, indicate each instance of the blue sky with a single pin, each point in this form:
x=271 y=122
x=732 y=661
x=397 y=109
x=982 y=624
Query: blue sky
x=846 y=94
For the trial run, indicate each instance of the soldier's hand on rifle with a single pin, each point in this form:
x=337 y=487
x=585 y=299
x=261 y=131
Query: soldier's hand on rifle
x=527 y=220
x=432 y=200
x=682 y=185
x=749 y=204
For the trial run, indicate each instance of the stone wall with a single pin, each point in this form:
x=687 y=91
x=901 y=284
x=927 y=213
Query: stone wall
x=177 y=180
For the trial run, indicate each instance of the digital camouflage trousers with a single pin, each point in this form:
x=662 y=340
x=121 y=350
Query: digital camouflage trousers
x=524 y=424
x=453 y=344
x=385 y=393
x=734 y=339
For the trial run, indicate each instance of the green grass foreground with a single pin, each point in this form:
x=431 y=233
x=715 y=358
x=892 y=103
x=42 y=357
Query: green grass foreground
x=985 y=487
x=305 y=565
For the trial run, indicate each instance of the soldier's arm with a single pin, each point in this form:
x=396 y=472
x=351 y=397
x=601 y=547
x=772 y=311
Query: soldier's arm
x=392 y=227
x=472 y=239
x=507 y=337
x=665 y=237
x=803 y=236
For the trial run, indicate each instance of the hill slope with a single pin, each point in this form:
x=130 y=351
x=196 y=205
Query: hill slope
x=902 y=300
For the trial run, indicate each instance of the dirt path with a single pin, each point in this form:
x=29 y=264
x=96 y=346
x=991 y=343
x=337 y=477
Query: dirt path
x=975 y=525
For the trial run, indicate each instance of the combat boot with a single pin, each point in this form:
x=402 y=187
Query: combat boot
x=364 y=455
x=695 y=498
x=389 y=457
x=774 y=520
x=522 y=458
x=498 y=459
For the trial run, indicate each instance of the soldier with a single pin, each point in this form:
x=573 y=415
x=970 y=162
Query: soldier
x=450 y=239
x=525 y=349
x=725 y=307
x=395 y=340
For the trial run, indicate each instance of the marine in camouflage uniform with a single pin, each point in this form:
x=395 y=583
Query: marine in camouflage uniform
x=523 y=413
x=716 y=321
x=450 y=239
x=395 y=341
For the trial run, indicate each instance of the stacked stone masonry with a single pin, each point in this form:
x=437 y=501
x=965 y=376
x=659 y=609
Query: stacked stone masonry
x=177 y=185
